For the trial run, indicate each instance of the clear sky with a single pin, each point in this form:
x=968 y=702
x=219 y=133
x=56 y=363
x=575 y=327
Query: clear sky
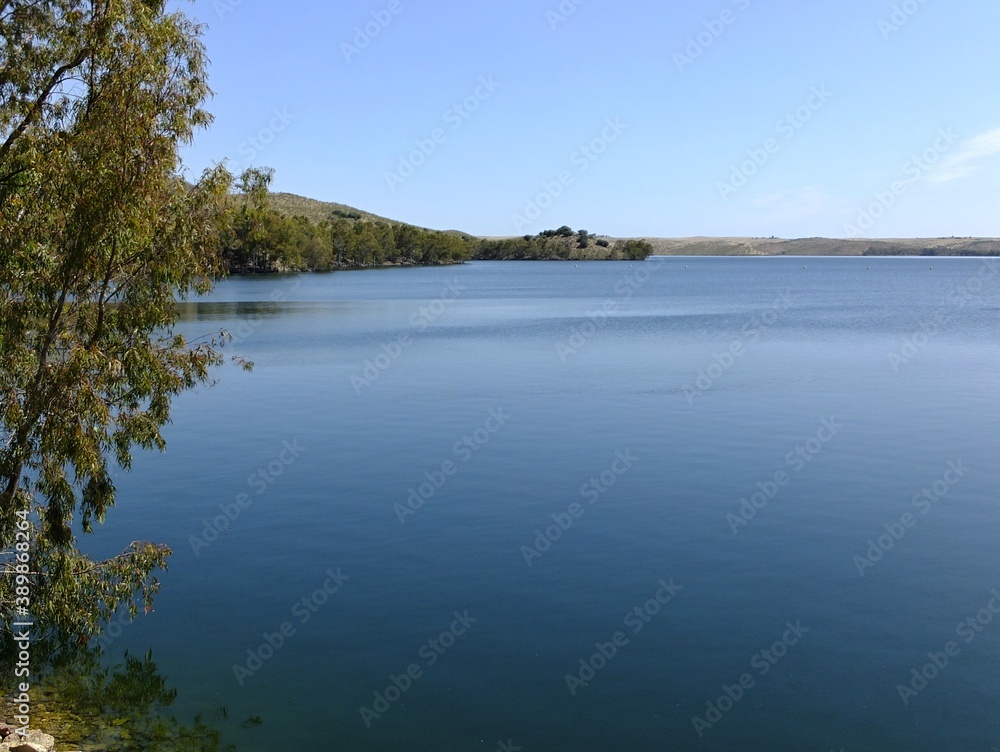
x=868 y=118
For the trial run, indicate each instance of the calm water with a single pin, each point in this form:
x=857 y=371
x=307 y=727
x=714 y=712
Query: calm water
x=602 y=421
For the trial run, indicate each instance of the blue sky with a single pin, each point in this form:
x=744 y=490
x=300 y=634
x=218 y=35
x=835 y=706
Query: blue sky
x=628 y=118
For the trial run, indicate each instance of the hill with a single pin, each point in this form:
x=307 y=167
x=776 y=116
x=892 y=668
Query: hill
x=566 y=247
x=292 y=205
x=700 y=246
x=316 y=211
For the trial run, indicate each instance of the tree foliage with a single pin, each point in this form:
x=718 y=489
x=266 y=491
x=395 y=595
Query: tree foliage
x=561 y=244
x=98 y=238
x=292 y=244
x=273 y=242
x=636 y=249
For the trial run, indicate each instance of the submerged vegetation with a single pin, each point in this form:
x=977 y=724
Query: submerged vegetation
x=87 y=702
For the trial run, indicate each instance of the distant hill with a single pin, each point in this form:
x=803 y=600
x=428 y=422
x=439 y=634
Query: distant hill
x=826 y=247
x=316 y=211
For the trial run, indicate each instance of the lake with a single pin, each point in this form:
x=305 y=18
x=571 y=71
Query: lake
x=685 y=504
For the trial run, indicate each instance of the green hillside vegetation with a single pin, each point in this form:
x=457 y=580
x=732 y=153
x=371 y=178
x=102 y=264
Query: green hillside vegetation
x=279 y=243
x=285 y=233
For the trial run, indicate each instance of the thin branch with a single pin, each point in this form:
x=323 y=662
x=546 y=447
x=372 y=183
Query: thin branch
x=40 y=102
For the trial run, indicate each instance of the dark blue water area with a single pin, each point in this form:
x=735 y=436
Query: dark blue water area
x=546 y=447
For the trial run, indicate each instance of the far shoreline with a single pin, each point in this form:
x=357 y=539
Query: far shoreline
x=818 y=247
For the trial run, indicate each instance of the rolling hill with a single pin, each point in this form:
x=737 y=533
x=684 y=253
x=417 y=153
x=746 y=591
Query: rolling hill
x=317 y=211
x=290 y=204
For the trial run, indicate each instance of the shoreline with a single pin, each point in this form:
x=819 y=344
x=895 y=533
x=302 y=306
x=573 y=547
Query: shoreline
x=656 y=255
x=35 y=741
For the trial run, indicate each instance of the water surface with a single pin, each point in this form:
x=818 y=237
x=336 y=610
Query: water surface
x=618 y=412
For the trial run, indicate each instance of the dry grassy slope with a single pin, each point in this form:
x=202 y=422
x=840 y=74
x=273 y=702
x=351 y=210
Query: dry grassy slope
x=699 y=246
x=318 y=211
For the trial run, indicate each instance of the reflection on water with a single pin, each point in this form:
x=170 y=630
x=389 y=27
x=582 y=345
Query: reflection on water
x=89 y=703
x=205 y=310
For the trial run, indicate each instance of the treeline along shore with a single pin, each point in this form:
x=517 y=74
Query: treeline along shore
x=286 y=233
x=276 y=242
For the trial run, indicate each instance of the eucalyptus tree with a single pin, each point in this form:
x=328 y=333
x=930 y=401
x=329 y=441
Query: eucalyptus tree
x=99 y=236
